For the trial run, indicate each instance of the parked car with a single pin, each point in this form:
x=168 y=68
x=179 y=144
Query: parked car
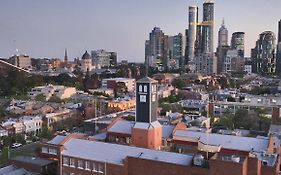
x=16 y=145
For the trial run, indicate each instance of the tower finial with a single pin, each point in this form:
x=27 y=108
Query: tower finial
x=223 y=22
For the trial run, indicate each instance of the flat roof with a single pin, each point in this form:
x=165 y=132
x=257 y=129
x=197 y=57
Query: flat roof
x=226 y=141
x=116 y=154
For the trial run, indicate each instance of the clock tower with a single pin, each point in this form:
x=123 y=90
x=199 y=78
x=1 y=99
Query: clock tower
x=147 y=102
x=147 y=131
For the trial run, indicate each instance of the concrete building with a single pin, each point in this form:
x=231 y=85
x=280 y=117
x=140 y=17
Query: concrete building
x=264 y=54
x=192 y=32
x=222 y=47
x=102 y=58
x=48 y=91
x=176 y=51
x=22 y=61
x=156 y=49
x=278 y=55
x=237 y=43
x=233 y=62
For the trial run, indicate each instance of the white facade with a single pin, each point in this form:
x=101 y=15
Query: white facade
x=50 y=90
x=87 y=65
x=32 y=123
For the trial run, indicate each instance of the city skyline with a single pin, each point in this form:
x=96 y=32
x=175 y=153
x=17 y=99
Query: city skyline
x=122 y=27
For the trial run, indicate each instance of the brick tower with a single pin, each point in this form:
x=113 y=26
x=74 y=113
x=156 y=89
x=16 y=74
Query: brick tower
x=147 y=131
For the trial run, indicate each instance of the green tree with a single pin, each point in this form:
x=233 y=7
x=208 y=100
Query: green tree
x=178 y=83
x=55 y=99
x=45 y=133
x=40 y=97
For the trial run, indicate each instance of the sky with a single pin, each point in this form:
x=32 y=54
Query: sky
x=44 y=28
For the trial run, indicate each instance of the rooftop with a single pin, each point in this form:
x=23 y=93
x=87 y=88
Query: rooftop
x=57 y=140
x=32 y=160
x=226 y=141
x=116 y=154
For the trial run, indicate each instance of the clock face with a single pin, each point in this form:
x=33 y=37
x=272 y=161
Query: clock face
x=142 y=98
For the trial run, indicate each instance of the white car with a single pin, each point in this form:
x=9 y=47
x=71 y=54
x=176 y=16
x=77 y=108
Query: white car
x=16 y=145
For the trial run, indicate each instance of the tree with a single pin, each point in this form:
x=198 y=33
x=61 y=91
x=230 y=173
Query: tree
x=45 y=133
x=40 y=97
x=55 y=99
x=178 y=83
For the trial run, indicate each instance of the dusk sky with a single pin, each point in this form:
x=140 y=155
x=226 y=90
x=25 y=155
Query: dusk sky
x=44 y=28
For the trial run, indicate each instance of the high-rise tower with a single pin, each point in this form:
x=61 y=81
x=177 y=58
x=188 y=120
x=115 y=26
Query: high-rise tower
x=192 y=31
x=156 y=49
x=278 y=57
x=237 y=42
x=264 y=54
x=223 y=35
x=222 y=46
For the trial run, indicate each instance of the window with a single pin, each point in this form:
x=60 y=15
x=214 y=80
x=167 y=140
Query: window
x=140 y=88
x=153 y=97
x=45 y=150
x=98 y=167
x=87 y=165
x=145 y=88
x=142 y=98
x=71 y=162
x=95 y=167
x=66 y=161
x=53 y=151
x=80 y=164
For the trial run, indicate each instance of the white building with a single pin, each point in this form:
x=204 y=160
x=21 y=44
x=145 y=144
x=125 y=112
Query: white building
x=31 y=123
x=86 y=62
x=48 y=91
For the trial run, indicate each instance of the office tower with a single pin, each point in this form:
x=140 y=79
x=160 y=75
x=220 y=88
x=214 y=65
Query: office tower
x=264 y=54
x=237 y=42
x=156 y=52
x=186 y=53
x=206 y=61
x=176 y=52
x=233 y=62
x=223 y=35
x=208 y=27
x=222 y=47
x=192 y=31
x=278 y=57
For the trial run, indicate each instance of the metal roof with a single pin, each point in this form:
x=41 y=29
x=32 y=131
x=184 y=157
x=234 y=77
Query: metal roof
x=116 y=154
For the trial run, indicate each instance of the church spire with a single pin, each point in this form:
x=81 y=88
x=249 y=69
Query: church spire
x=65 y=56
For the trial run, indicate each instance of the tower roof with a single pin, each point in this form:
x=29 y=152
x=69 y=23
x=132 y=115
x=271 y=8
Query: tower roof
x=86 y=55
x=146 y=80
